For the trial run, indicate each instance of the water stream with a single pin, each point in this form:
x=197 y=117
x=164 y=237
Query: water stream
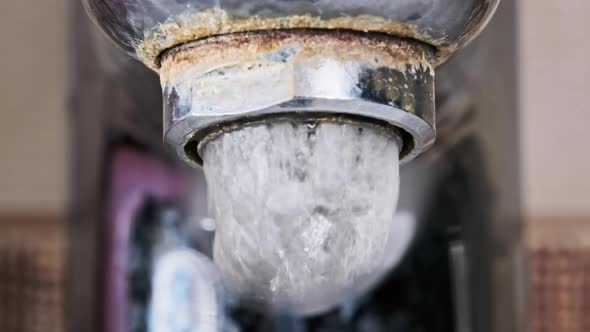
x=303 y=211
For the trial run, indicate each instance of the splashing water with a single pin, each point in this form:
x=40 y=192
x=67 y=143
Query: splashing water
x=303 y=210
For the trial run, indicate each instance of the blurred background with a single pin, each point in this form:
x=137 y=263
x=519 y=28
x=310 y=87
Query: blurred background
x=553 y=79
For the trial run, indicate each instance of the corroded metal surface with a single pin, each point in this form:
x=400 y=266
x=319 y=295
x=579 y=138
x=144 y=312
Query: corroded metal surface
x=346 y=46
x=147 y=28
x=215 y=22
x=243 y=77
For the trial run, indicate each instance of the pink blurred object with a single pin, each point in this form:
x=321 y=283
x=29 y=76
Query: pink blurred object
x=134 y=176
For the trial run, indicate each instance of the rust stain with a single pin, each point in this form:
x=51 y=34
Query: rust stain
x=378 y=50
x=216 y=22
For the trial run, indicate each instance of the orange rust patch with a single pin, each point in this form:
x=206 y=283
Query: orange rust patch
x=379 y=50
x=215 y=22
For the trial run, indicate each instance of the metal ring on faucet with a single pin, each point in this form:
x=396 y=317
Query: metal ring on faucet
x=228 y=81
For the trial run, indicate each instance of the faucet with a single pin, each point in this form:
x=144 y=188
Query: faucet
x=300 y=113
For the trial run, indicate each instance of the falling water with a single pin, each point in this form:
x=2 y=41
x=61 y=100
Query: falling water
x=303 y=210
